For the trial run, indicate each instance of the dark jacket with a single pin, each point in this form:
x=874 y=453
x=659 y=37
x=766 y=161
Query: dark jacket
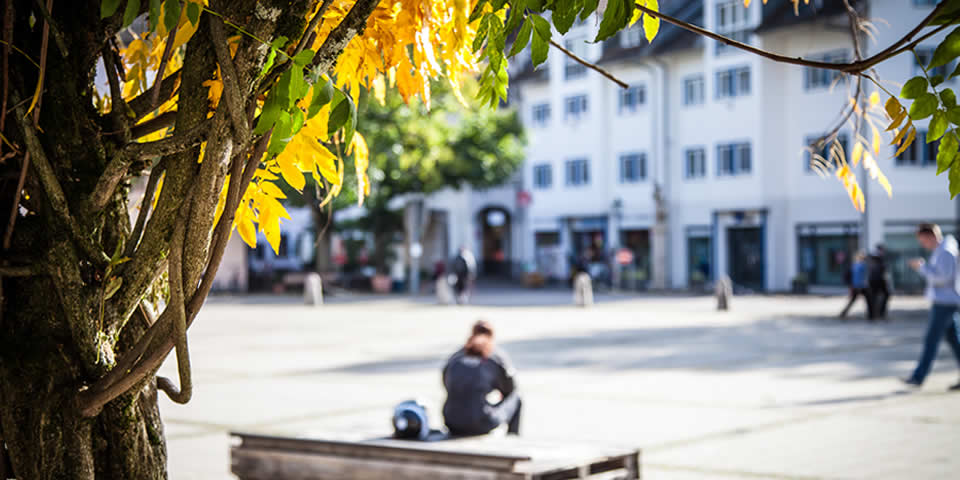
x=468 y=380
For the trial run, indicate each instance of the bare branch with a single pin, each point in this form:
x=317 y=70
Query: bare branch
x=57 y=34
x=167 y=52
x=175 y=272
x=8 y=234
x=48 y=179
x=856 y=67
x=228 y=73
x=117 y=104
x=145 y=204
x=589 y=65
x=117 y=167
x=19 y=271
x=164 y=120
x=308 y=36
x=142 y=104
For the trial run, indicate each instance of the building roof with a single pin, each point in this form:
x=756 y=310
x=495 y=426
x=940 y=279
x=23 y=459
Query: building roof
x=670 y=37
x=780 y=13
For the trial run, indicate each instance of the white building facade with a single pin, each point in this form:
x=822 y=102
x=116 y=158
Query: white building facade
x=720 y=136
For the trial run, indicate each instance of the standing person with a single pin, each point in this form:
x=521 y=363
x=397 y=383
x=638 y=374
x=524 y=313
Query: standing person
x=877 y=282
x=465 y=270
x=941 y=275
x=472 y=373
x=858 y=285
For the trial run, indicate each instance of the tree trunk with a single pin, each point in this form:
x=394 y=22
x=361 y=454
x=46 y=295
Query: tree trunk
x=40 y=373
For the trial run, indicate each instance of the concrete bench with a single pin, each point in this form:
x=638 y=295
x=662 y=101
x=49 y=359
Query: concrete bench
x=261 y=457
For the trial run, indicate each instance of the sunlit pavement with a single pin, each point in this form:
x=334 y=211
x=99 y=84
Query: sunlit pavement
x=775 y=389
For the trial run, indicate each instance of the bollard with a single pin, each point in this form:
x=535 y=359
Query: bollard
x=582 y=290
x=724 y=290
x=313 y=289
x=444 y=291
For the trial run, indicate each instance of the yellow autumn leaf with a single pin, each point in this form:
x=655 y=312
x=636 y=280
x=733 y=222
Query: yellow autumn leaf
x=857 y=153
x=651 y=24
x=247 y=232
x=290 y=171
x=272 y=190
x=907 y=141
x=874 y=99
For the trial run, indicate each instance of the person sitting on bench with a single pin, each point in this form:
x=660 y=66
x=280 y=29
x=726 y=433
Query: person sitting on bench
x=469 y=376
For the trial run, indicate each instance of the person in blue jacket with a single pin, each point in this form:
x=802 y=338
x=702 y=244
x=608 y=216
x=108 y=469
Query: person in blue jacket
x=472 y=373
x=940 y=272
x=858 y=285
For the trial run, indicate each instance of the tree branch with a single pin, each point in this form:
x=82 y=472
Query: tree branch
x=145 y=205
x=167 y=52
x=117 y=168
x=589 y=65
x=12 y=222
x=117 y=104
x=142 y=104
x=308 y=35
x=19 y=271
x=164 y=120
x=175 y=272
x=228 y=73
x=854 y=68
x=51 y=186
x=353 y=23
x=54 y=29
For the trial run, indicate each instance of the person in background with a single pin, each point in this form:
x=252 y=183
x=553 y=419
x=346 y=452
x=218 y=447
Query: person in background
x=465 y=270
x=472 y=373
x=878 y=283
x=940 y=272
x=858 y=285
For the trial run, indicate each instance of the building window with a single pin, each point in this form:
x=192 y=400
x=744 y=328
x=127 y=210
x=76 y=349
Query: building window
x=923 y=56
x=733 y=21
x=631 y=36
x=816 y=78
x=632 y=97
x=824 y=251
x=574 y=107
x=822 y=157
x=633 y=167
x=734 y=82
x=693 y=90
x=571 y=68
x=541 y=114
x=542 y=176
x=696 y=163
x=578 y=172
x=733 y=159
x=919 y=153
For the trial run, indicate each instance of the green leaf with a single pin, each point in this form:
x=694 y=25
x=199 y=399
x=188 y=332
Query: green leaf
x=954 y=180
x=113 y=285
x=303 y=58
x=938 y=126
x=155 y=13
x=339 y=113
x=171 y=14
x=936 y=80
x=923 y=106
x=477 y=10
x=275 y=46
x=541 y=40
x=949 y=98
x=523 y=38
x=953 y=114
x=322 y=94
x=131 y=12
x=589 y=6
x=914 y=87
x=282 y=133
x=268 y=116
x=108 y=7
x=956 y=71
x=517 y=8
x=193 y=12
x=949 y=15
x=564 y=14
x=615 y=17
x=481 y=33
x=948 y=50
x=947 y=152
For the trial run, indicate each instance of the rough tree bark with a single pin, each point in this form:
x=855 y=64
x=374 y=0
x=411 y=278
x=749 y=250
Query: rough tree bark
x=78 y=392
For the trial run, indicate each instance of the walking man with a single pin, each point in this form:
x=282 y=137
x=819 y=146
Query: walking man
x=941 y=275
x=878 y=285
x=858 y=285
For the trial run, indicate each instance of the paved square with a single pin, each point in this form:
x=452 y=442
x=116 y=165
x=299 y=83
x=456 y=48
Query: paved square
x=775 y=389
